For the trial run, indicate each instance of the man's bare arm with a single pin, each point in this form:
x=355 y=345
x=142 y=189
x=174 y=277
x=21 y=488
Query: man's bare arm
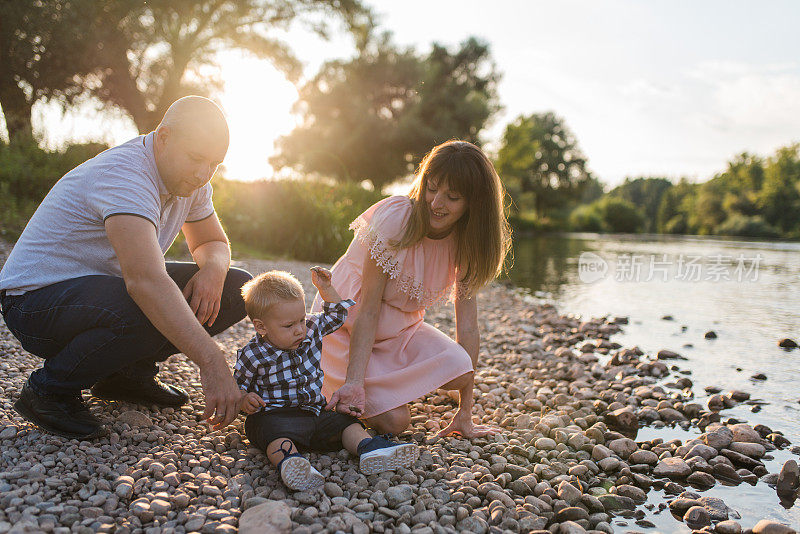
x=208 y=243
x=210 y=249
x=147 y=282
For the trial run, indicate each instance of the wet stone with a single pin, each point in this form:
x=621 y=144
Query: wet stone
x=696 y=517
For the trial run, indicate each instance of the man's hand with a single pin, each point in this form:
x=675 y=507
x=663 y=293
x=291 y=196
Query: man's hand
x=321 y=278
x=348 y=399
x=222 y=395
x=203 y=293
x=251 y=403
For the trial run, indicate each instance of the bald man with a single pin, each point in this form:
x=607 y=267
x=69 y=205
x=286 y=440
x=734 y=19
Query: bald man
x=86 y=287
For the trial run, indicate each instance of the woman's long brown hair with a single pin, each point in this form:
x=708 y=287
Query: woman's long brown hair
x=482 y=234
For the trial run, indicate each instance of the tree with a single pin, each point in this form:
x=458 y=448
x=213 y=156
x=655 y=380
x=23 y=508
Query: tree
x=671 y=218
x=142 y=56
x=42 y=54
x=779 y=198
x=153 y=53
x=375 y=116
x=541 y=164
x=645 y=193
x=608 y=214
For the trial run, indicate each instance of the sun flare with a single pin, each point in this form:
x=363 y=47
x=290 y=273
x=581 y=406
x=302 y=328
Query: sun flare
x=257 y=99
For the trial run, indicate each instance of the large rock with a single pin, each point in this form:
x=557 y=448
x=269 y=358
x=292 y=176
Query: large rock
x=570 y=527
x=397 y=495
x=623 y=419
x=696 y=517
x=753 y=450
x=638 y=495
x=571 y=513
x=643 y=457
x=545 y=444
x=665 y=354
x=681 y=504
x=706 y=452
x=744 y=432
x=616 y=502
x=568 y=493
x=716 y=508
x=473 y=524
x=788 y=481
x=728 y=527
x=672 y=468
x=719 y=438
x=623 y=447
x=135 y=419
x=765 y=526
x=273 y=517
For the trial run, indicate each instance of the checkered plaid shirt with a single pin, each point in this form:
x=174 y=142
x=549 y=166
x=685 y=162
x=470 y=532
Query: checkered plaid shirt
x=290 y=378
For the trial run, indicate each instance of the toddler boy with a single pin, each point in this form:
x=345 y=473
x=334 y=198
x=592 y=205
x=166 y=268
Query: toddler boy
x=279 y=371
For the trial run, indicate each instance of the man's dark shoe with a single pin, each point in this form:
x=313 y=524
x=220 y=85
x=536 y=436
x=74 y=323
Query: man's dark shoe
x=142 y=391
x=66 y=416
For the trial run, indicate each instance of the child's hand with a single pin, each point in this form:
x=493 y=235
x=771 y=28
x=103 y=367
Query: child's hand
x=321 y=278
x=251 y=403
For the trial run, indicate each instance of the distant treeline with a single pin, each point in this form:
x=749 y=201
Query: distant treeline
x=753 y=197
x=308 y=219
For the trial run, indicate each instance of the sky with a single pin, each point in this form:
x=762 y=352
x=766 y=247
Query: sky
x=649 y=88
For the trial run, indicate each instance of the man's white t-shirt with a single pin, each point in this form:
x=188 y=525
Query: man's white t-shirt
x=66 y=237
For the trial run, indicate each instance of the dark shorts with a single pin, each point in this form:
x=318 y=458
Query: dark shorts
x=321 y=432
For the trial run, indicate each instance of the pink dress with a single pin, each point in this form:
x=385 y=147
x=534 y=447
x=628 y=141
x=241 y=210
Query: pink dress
x=410 y=358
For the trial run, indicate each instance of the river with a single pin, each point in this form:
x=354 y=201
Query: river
x=674 y=290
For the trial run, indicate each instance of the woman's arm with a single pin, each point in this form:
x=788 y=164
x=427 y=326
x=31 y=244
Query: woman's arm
x=467 y=333
x=468 y=336
x=351 y=397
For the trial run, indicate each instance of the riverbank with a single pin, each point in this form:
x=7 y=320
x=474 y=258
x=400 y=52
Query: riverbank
x=565 y=394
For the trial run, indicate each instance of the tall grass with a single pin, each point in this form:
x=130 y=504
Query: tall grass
x=26 y=175
x=299 y=219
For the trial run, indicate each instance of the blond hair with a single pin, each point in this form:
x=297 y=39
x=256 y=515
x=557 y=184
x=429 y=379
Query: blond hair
x=482 y=234
x=267 y=289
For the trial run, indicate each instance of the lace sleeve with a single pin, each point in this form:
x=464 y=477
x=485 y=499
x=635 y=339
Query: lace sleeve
x=380 y=227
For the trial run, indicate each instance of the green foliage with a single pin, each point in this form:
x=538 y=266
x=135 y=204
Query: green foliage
x=42 y=49
x=300 y=219
x=586 y=218
x=779 y=198
x=747 y=226
x=375 y=116
x=646 y=194
x=142 y=56
x=541 y=164
x=27 y=173
x=608 y=214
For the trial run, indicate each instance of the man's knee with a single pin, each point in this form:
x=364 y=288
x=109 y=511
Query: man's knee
x=236 y=279
x=232 y=293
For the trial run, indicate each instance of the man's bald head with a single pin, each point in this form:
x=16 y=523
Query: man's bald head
x=191 y=142
x=192 y=113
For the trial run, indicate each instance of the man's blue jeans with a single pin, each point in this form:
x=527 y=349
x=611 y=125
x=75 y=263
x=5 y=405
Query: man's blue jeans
x=89 y=328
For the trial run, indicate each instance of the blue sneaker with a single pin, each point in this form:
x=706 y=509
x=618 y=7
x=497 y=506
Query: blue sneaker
x=378 y=454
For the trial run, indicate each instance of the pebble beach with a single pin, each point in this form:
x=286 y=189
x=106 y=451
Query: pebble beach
x=577 y=452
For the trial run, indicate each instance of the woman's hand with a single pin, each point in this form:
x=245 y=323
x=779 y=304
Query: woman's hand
x=462 y=424
x=348 y=399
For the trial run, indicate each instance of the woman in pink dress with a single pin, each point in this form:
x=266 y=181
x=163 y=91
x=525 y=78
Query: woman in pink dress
x=444 y=241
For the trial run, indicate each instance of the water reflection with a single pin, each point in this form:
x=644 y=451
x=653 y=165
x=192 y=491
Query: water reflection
x=749 y=315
